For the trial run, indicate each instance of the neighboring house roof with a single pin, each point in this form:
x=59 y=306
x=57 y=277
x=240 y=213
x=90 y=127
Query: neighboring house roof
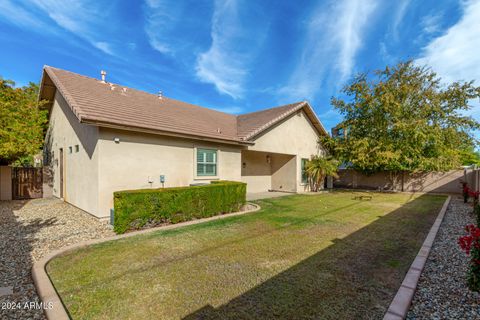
x=111 y=105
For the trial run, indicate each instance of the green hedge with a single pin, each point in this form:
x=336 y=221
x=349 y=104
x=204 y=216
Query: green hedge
x=133 y=209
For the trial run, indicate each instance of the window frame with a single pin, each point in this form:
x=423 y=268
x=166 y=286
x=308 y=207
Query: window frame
x=205 y=175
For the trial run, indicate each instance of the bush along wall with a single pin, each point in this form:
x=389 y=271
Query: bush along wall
x=133 y=209
x=470 y=243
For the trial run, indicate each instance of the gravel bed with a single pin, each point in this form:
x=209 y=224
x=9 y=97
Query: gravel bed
x=442 y=292
x=29 y=230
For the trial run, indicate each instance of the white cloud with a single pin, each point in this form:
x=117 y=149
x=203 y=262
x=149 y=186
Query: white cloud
x=104 y=46
x=333 y=39
x=177 y=28
x=431 y=23
x=161 y=17
x=16 y=14
x=83 y=18
x=235 y=40
x=399 y=15
x=454 y=55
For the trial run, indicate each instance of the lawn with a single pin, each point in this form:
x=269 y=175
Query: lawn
x=329 y=256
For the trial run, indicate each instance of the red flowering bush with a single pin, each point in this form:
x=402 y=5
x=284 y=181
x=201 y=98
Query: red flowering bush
x=471 y=245
x=474 y=195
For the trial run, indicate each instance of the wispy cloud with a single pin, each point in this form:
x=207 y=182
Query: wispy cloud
x=236 y=37
x=19 y=16
x=161 y=17
x=334 y=36
x=177 y=28
x=399 y=14
x=104 y=46
x=431 y=23
x=82 y=18
x=454 y=55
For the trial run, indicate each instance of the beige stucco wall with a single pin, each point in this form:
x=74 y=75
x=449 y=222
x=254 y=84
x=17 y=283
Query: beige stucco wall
x=138 y=156
x=256 y=171
x=294 y=136
x=103 y=166
x=442 y=182
x=284 y=172
x=5 y=183
x=80 y=168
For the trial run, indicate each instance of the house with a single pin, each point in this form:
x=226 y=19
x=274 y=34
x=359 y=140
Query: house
x=104 y=137
x=340 y=131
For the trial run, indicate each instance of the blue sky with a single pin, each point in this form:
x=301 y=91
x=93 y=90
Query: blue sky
x=239 y=56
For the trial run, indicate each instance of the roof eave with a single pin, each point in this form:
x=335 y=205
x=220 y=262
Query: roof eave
x=313 y=115
x=105 y=124
x=303 y=105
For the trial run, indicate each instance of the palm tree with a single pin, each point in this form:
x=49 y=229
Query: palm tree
x=319 y=167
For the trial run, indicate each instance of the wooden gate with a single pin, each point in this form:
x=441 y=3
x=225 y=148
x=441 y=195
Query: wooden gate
x=27 y=183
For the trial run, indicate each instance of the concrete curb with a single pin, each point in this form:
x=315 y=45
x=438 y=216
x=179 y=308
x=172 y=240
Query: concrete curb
x=53 y=306
x=400 y=305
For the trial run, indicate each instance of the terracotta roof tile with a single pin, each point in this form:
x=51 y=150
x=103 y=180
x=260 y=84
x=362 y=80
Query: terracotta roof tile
x=93 y=101
x=250 y=124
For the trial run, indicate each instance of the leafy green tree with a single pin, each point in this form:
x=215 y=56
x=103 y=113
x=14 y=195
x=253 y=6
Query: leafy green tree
x=469 y=156
x=404 y=119
x=22 y=122
x=319 y=167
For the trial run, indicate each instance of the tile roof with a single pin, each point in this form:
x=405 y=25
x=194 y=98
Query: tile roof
x=250 y=124
x=107 y=104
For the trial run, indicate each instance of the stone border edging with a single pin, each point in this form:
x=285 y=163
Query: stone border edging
x=400 y=304
x=45 y=289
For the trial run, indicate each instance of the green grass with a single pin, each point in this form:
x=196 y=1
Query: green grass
x=325 y=256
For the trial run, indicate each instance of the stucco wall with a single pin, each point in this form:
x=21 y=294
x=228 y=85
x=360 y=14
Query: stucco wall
x=284 y=172
x=80 y=168
x=5 y=183
x=294 y=136
x=448 y=182
x=129 y=163
x=256 y=171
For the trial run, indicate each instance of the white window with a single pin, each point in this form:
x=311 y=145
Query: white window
x=206 y=162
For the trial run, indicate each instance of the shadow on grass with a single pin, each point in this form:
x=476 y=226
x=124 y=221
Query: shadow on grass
x=354 y=278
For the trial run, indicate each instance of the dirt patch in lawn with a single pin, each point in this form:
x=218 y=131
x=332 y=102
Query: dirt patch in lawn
x=330 y=256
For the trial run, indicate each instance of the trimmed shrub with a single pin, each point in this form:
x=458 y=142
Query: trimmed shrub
x=136 y=208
